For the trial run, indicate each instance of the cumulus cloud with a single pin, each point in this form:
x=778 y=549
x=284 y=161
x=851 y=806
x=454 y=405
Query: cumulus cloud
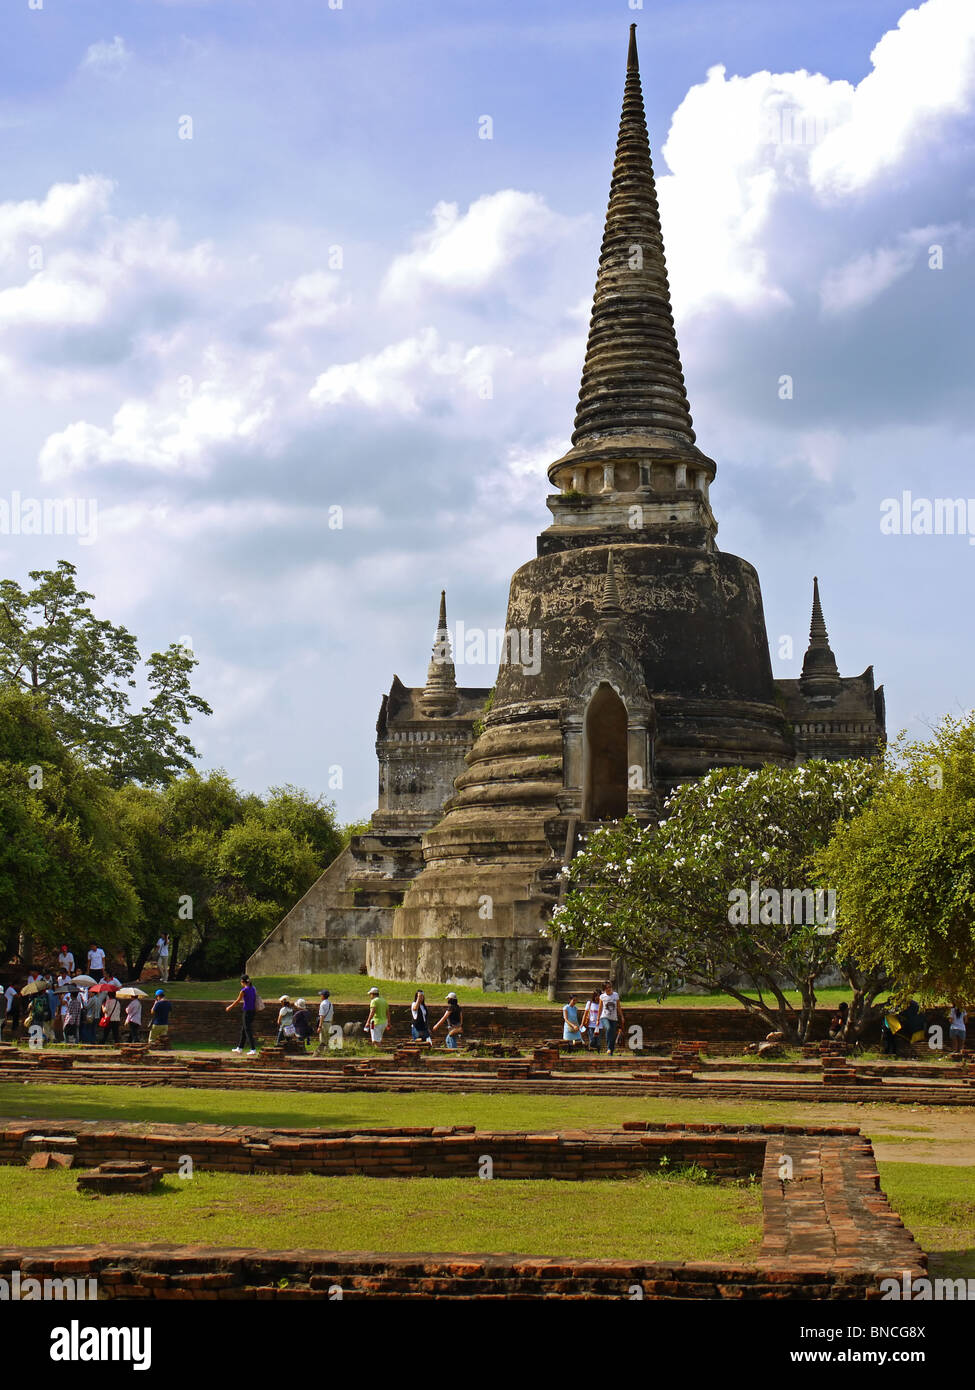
x=745 y=153
x=404 y=374
x=466 y=251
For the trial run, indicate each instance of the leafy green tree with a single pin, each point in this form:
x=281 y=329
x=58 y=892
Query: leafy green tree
x=63 y=874
x=311 y=819
x=722 y=893
x=904 y=868
x=82 y=669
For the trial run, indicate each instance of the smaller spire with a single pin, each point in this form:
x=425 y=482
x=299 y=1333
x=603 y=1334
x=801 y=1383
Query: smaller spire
x=440 y=692
x=632 y=60
x=609 y=605
x=820 y=675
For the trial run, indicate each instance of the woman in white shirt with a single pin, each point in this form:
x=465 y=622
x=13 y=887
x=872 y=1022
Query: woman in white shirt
x=957 y=1028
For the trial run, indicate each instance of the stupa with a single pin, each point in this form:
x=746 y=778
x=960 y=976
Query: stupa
x=654 y=658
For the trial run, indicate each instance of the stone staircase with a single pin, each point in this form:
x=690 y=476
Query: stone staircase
x=581 y=974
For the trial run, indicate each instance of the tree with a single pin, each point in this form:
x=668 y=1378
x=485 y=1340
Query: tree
x=81 y=668
x=311 y=819
x=218 y=868
x=63 y=874
x=723 y=892
x=904 y=868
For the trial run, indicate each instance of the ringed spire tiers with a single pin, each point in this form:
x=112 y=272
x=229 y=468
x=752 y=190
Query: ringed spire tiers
x=820 y=677
x=632 y=379
x=440 y=692
x=633 y=431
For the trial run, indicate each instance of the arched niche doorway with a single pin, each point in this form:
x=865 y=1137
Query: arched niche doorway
x=606 y=764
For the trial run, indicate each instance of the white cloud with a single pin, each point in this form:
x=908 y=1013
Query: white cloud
x=866 y=277
x=465 y=251
x=67 y=208
x=311 y=301
x=154 y=436
x=401 y=375
x=107 y=56
x=745 y=150
x=923 y=71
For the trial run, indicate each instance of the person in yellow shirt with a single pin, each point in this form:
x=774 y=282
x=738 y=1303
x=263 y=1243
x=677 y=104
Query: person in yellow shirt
x=378 y=1020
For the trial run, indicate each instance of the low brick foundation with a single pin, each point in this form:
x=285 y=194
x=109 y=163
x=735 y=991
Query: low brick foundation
x=829 y=1230
x=455 y=1072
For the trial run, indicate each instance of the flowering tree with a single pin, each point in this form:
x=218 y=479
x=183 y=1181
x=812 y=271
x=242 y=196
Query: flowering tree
x=905 y=868
x=723 y=891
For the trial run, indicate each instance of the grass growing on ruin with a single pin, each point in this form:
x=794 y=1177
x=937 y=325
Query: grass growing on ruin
x=159 y=1103
x=355 y=988
x=345 y=988
x=937 y=1203
x=654 y=1218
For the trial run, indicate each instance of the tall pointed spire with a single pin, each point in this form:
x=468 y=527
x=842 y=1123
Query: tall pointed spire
x=820 y=675
x=632 y=379
x=440 y=692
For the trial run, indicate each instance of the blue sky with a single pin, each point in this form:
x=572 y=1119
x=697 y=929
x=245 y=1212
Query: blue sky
x=298 y=309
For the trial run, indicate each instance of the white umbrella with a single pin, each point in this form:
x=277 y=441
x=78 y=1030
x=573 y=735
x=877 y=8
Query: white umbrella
x=130 y=992
x=83 y=980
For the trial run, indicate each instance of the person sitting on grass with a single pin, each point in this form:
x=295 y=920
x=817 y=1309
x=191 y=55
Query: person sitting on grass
x=159 y=1017
x=454 y=1020
x=837 y=1024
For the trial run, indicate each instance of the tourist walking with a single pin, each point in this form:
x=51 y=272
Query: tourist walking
x=302 y=1023
x=590 y=1021
x=96 y=961
x=91 y=1013
x=454 y=1020
x=610 y=1015
x=133 y=1019
x=111 y=1017
x=571 y=1028
x=72 y=1020
x=326 y=1012
x=162 y=957
x=12 y=996
x=420 y=1014
x=53 y=1008
x=286 y=1020
x=159 y=1017
x=378 y=1018
x=247 y=999
x=957 y=1028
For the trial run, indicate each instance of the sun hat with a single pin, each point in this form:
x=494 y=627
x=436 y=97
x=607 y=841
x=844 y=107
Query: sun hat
x=323 y=993
x=451 y=995
x=300 y=1003
x=160 y=993
x=374 y=990
x=284 y=999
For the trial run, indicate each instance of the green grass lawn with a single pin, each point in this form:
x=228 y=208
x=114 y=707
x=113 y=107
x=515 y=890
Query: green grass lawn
x=652 y=1218
x=355 y=988
x=275 y=1109
x=937 y=1203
